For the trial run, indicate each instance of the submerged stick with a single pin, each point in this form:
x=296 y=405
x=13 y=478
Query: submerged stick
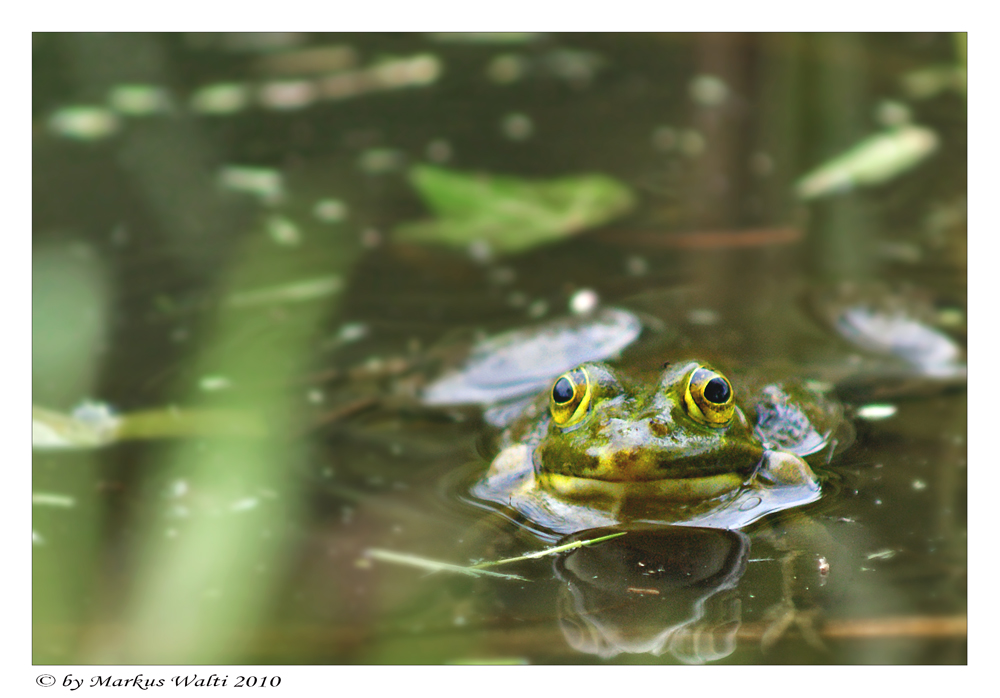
x=548 y=551
x=433 y=565
x=478 y=569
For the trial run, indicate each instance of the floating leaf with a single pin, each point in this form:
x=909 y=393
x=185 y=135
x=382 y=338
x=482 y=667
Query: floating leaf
x=521 y=362
x=508 y=213
x=872 y=161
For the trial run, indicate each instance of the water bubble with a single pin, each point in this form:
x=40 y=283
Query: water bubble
x=584 y=301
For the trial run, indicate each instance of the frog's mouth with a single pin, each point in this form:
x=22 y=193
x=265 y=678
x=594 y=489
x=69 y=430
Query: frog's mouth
x=682 y=489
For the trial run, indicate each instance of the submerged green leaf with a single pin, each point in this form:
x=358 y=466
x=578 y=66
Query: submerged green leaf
x=508 y=213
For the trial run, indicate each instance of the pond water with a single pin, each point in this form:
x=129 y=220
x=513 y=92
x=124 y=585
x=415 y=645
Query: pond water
x=214 y=234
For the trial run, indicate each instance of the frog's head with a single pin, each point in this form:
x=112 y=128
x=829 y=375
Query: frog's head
x=682 y=438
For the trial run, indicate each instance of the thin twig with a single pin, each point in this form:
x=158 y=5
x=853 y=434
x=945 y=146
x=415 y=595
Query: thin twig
x=548 y=551
x=433 y=565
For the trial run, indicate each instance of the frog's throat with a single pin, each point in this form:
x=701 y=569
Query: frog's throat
x=681 y=489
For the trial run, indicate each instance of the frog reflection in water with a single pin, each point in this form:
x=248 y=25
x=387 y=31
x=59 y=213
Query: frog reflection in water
x=680 y=451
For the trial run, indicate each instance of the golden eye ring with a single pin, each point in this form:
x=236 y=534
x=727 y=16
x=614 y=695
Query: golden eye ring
x=569 y=399
x=709 y=397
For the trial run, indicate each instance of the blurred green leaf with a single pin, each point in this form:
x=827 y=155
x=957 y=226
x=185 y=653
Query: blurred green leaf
x=508 y=213
x=876 y=159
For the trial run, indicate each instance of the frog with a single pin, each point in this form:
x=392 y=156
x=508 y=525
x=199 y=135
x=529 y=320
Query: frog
x=688 y=448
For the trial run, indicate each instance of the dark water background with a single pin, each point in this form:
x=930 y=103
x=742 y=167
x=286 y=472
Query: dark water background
x=233 y=550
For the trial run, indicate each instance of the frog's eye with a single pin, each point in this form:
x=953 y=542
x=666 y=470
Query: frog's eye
x=709 y=398
x=570 y=397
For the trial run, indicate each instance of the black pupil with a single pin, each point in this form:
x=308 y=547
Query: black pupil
x=717 y=391
x=562 y=391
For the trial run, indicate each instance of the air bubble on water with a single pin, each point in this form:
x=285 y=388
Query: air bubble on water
x=584 y=301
